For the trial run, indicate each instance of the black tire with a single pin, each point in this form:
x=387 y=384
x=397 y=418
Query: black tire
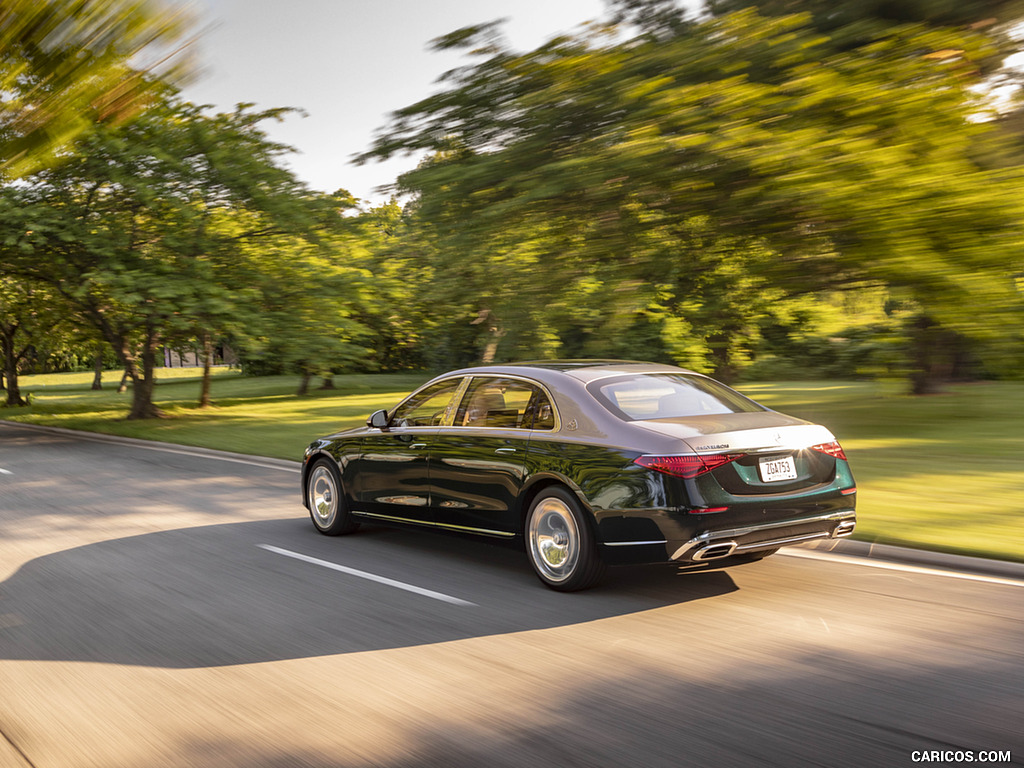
x=327 y=508
x=560 y=542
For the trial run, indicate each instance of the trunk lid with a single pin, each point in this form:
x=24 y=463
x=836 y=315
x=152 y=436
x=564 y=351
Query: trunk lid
x=763 y=431
x=774 y=450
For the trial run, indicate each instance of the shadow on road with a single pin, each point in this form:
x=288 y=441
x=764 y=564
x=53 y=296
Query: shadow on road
x=211 y=596
x=819 y=710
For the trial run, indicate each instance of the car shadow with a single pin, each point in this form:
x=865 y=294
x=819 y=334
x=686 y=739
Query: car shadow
x=226 y=594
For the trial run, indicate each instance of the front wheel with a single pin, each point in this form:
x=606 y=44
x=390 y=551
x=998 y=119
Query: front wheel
x=560 y=543
x=326 y=505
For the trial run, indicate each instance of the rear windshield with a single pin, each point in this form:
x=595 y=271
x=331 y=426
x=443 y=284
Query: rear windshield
x=668 y=396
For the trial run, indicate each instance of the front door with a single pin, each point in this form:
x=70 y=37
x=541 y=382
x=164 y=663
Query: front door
x=392 y=479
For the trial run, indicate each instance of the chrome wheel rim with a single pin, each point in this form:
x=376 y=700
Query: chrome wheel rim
x=554 y=539
x=323 y=496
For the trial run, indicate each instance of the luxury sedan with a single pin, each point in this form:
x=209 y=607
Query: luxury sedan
x=588 y=463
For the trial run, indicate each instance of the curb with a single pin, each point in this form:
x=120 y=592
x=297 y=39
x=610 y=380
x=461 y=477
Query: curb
x=982 y=566
x=192 y=450
x=845 y=547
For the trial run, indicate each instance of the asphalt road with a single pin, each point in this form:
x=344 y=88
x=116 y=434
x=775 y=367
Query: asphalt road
x=161 y=608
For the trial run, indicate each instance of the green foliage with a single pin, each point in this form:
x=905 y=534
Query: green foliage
x=707 y=178
x=65 y=64
x=36 y=326
x=172 y=226
x=305 y=298
x=745 y=195
x=835 y=14
x=852 y=24
x=386 y=264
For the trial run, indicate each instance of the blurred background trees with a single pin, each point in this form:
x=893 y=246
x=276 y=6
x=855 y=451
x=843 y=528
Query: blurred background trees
x=709 y=177
x=779 y=188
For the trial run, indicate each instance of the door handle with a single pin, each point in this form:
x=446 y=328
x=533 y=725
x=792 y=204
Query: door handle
x=505 y=450
x=418 y=445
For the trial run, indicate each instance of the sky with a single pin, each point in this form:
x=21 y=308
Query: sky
x=348 y=64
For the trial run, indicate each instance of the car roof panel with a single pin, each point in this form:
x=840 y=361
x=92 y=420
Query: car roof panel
x=581 y=370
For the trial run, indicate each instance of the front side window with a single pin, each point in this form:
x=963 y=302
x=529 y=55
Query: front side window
x=668 y=396
x=427 y=407
x=504 y=404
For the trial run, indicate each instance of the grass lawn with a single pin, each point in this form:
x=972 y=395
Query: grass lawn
x=940 y=472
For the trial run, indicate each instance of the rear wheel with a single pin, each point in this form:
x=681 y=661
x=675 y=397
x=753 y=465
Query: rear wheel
x=326 y=504
x=560 y=543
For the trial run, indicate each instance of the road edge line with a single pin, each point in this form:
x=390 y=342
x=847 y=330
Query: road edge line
x=266 y=462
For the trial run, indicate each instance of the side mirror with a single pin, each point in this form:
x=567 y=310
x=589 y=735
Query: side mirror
x=378 y=420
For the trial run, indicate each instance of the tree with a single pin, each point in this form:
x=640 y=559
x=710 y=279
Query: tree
x=137 y=228
x=872 y=15
x=65 y=64
x=307 y=299
x=33 y=321
x=395 y=278
x=18 y=327
x=850 y=167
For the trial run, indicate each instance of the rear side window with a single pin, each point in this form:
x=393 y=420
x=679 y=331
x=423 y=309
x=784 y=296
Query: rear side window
x=668 y=396
x=505 y=404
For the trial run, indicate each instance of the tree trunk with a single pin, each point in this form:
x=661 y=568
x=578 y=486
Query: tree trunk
x=304 y=384
x=724 y=367
x=492 y=345
x=97 y=378
x=494 y=329
x=10 y=358
x=128 y=374
x=328 y=382
x=204 y=392
x=142 y=389
x=923 y=378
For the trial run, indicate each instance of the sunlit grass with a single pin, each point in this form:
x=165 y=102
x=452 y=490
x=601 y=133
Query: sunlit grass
x=943 y=472
x=112 y=378
x=254 y=415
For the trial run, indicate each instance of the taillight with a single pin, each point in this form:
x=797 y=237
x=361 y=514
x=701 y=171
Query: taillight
x=686 y=466
x=833 y=449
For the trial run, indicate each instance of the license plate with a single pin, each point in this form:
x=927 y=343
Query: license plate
x=775 y=470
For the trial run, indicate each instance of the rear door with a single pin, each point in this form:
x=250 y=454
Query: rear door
x=477 y=464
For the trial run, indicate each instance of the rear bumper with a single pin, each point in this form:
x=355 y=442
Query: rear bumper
x=714 y=545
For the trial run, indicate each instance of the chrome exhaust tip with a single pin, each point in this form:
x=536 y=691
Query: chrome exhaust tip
x=715 y=551
x=845 y=528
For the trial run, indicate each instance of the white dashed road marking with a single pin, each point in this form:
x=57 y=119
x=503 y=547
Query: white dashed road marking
x=5 y=471
x=368 y=576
